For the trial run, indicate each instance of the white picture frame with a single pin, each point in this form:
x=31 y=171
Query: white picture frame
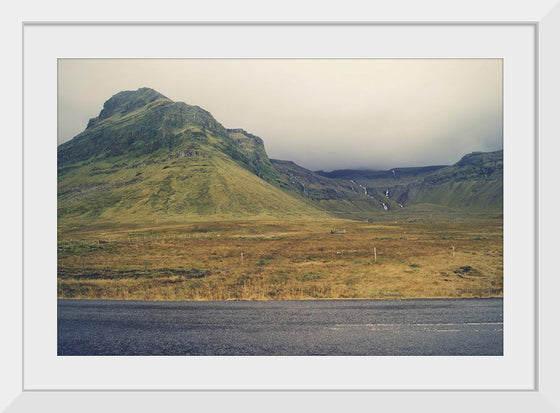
x=545 y=19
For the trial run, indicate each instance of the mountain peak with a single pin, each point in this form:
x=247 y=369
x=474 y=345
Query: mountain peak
x=127 y=101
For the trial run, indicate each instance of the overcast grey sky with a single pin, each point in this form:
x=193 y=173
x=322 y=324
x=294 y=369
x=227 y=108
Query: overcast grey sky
x=321 y=114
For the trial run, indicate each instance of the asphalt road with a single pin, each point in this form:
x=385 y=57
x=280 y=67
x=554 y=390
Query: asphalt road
x=326 y=327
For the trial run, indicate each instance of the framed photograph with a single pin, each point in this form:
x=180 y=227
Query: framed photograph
x=518 y=372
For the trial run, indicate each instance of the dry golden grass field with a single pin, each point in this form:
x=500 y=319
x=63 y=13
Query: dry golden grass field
x=280 y=260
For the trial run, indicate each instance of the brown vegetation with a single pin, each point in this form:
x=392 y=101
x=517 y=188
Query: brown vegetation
x=277 y=260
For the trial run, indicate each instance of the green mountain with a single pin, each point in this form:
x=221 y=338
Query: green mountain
x=475 y=182
x=147 y=157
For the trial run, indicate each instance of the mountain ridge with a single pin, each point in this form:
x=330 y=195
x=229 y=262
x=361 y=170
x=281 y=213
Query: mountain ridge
x=475 y=180
x=145 y=155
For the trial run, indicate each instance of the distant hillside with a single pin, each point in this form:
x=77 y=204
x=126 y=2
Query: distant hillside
x=343 y=198
x=474 y=182
x=388 y=177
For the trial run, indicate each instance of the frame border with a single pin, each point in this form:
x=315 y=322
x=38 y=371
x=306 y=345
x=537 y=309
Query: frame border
x=548 y=399
x=299 y=24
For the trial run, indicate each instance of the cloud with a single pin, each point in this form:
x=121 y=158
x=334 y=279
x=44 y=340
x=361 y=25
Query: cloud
x=322 y=114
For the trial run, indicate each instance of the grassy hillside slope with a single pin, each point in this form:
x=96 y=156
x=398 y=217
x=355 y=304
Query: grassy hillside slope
x=475 y=182
x=145 y=157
